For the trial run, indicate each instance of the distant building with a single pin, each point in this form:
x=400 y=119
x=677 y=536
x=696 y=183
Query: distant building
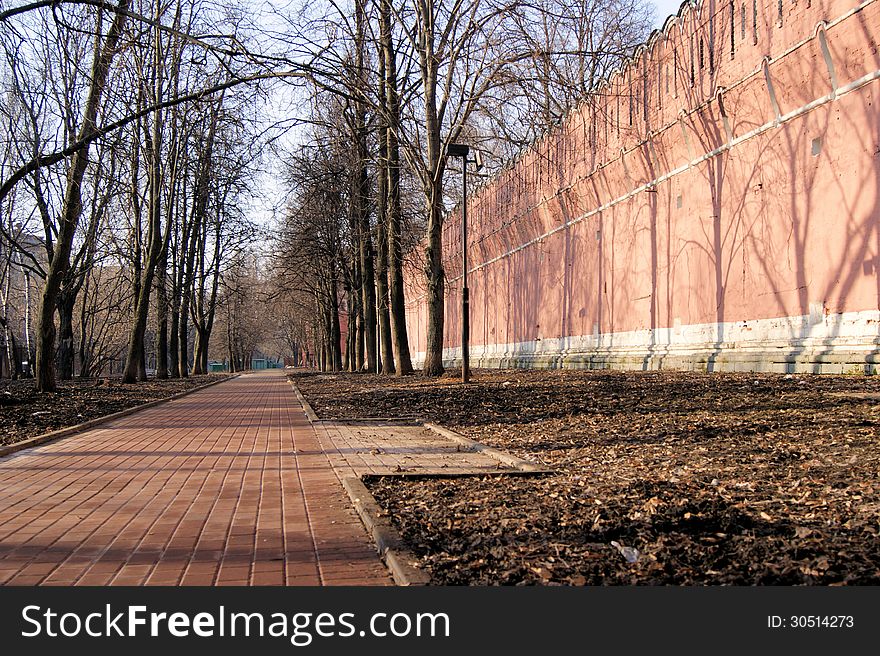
x=19 y=298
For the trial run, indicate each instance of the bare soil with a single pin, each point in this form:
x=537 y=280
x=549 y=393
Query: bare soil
x=660 y=477
x=25 y=413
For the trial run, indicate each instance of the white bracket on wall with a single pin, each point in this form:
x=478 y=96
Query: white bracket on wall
x=686 y=137
x=625 y=167
x=765 y=67
x=826 y=55
x=719 y=97
x=655 y=161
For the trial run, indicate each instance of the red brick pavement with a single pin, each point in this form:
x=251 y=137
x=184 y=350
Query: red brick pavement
x=226 y=486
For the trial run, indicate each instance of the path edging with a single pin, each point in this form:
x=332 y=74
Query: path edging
x=508 y=459
x=389 y=544
x=91 y=423
x=310 y=414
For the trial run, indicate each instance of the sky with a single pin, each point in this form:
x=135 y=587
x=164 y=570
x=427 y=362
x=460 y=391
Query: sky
x=663 y=9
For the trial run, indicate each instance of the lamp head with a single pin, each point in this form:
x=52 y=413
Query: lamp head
x=457 y=150
x=478 y=159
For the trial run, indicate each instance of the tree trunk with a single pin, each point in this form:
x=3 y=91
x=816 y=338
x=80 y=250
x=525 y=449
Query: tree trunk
x=436 y=288
x=183 y=337
x=137 y=274
x=197 y=218
x=66 y=352
x=230 y=351
x=71 y=208
x=173 y=346
x=362 y=198
x=433 y=188
x=176 y=293
x=177 y=184
x=207 y=303
x=359 y=339
x=135 y=365
x=399 y=338
x=8 y=336
x=162 y=317
x=382 y=300
x=335 y=333
x=351 y=338
x=200 y=349
x=85 y=354
x=135 y=357
x=15 y=371
x=205 y=355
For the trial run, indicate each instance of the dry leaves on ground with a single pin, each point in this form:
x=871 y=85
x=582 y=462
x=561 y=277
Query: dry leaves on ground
x=661 y=477
x=24 y=412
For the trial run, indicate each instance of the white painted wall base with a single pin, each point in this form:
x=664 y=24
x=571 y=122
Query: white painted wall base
x=816 y=342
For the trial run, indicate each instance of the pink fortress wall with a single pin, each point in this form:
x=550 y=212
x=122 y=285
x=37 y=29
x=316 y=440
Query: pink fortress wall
x=716 y=205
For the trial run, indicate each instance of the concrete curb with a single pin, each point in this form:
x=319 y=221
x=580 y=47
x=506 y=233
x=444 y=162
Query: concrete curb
x=373 y=421
x=91 y=423
x=506 y=458
x=399 y=560
x=310 y=414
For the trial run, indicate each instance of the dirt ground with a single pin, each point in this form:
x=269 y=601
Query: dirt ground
x=24 y=412
x=660 y=477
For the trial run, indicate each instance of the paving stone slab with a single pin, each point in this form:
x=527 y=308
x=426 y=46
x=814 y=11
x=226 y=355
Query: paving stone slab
x=386 y=448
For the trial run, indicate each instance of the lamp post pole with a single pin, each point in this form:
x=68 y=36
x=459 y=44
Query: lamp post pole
x=462 y=150
x=465 y=292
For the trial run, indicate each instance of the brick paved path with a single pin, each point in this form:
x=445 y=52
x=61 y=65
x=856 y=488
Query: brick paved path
x=227 y=486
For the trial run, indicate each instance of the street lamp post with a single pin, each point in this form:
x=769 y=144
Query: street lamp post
x=463 y=150
x=378 y=331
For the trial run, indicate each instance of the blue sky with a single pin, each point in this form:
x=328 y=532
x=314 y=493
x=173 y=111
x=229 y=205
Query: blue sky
x=663 y=9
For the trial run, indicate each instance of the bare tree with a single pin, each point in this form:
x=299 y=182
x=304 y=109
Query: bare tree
x=459 y=52
x=389 y=188
x=134 y=366
x=567 y=48
x=104 y=53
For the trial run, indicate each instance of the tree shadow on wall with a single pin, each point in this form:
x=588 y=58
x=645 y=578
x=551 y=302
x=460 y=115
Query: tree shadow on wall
x=819 y=155
x=781 y=215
